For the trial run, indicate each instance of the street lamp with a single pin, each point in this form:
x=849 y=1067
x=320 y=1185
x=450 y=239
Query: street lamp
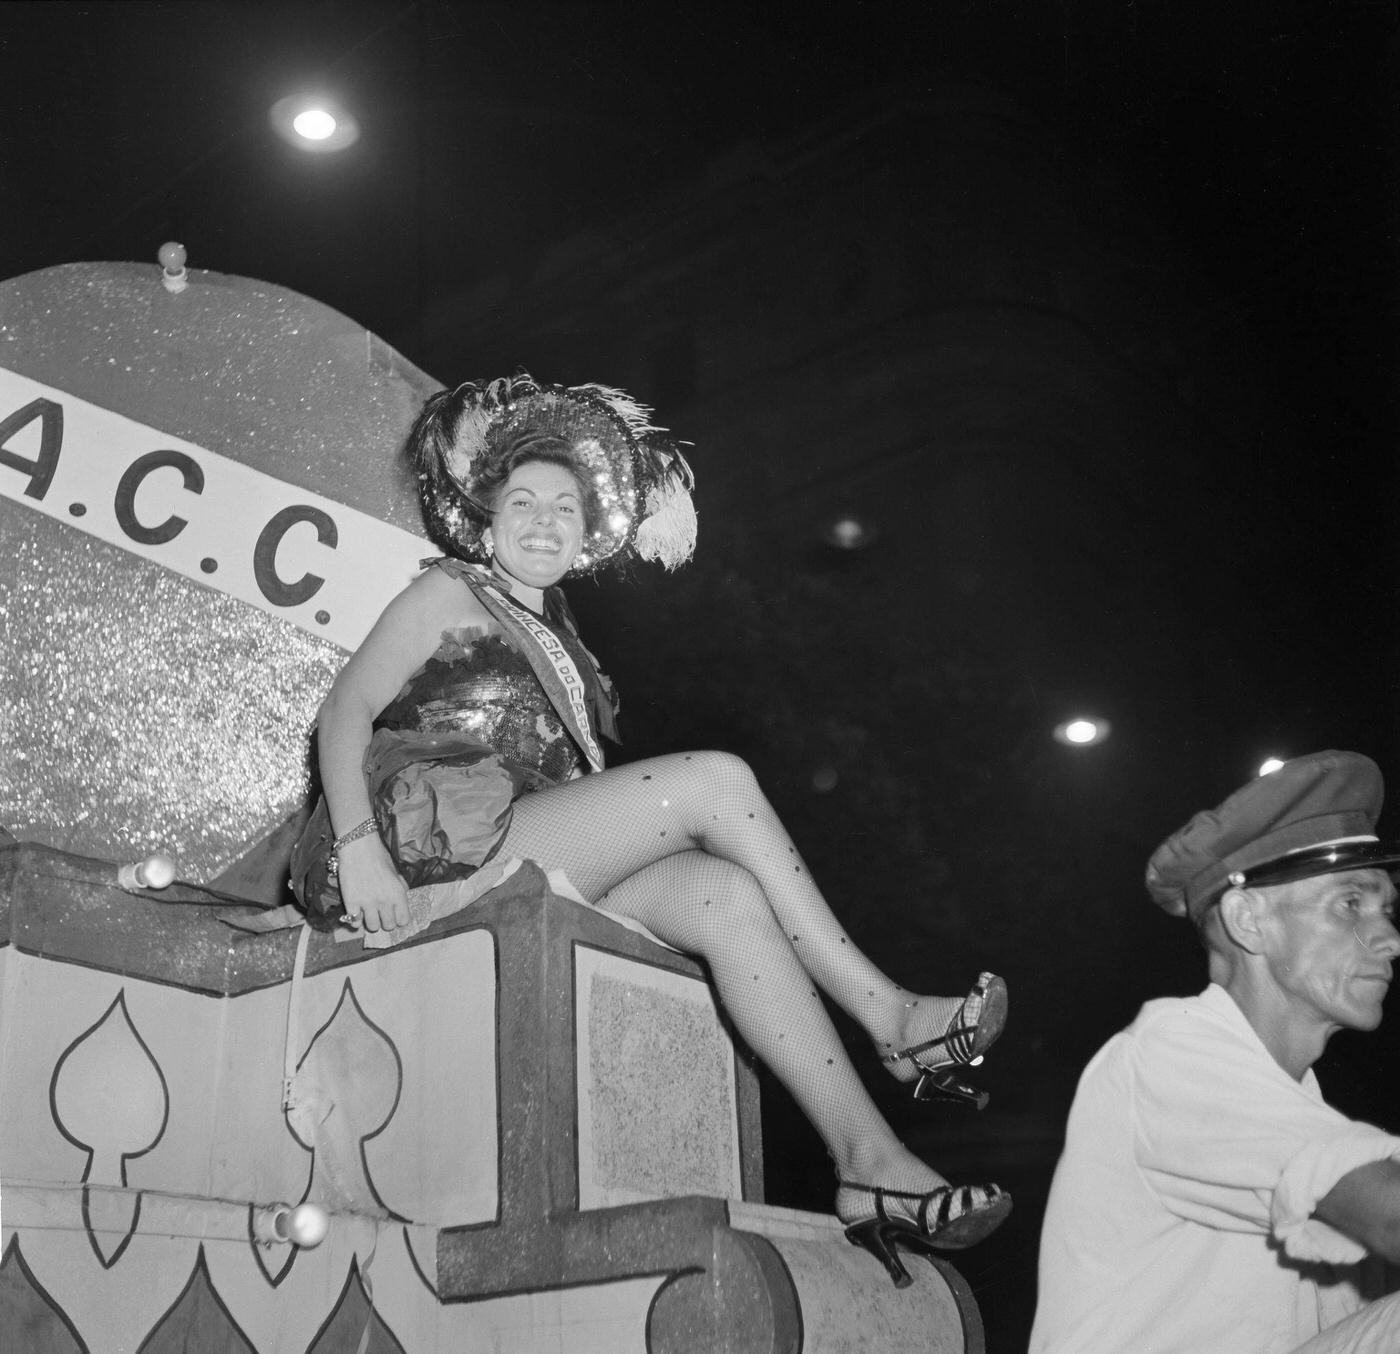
x=314 y=124
x=1082 y=731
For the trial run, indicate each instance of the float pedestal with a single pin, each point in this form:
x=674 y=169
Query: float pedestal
x=529 y=1127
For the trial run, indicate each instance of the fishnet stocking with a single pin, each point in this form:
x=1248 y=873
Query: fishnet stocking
x=688 y=845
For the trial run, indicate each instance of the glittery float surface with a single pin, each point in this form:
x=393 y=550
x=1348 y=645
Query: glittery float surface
x=142 y=712
x=661 y=1086
x=250 y=370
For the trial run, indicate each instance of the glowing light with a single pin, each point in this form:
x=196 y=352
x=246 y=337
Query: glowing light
x=1269 y=765
x=848 y=533
x=1081 y=732
x=315 y=124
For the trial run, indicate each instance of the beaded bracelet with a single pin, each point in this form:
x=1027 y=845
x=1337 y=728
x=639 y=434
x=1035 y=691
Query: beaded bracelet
x=356 y=832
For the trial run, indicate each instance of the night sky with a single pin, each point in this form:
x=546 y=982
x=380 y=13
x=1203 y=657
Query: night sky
x=1260 y=139
x=1261 y=136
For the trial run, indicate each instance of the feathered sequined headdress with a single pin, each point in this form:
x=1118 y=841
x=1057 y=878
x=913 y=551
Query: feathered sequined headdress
x=641 y=481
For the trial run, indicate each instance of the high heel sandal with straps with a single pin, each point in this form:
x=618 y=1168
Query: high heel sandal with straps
x=974 y=1028
x=949 y=1218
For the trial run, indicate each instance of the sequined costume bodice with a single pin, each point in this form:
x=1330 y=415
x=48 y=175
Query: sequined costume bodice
x=470 y=732
x=478 y=684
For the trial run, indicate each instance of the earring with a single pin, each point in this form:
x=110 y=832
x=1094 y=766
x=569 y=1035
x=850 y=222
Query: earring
x=487 y=544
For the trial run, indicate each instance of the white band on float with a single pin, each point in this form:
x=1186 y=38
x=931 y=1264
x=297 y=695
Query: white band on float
x=327 y=568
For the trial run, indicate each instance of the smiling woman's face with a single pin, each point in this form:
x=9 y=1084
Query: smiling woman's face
x=537 y=526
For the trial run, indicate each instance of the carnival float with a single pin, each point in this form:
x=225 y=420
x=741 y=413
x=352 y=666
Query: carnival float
x=525 y=1128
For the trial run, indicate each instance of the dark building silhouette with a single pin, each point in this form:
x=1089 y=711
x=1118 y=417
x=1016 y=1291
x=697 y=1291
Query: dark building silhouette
x=1066 y=454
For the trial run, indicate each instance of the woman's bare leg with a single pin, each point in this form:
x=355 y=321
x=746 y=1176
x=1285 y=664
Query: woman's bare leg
x=600 y=829
x=712 y=908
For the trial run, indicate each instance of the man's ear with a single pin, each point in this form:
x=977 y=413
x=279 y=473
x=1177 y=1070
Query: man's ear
x=1241 y=914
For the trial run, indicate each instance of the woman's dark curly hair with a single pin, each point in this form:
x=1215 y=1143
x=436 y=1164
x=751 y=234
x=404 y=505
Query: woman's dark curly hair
x=523 y=449
x=457 y=514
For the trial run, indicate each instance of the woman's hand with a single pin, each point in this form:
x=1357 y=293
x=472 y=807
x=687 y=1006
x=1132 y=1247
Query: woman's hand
x=402 y=640
x=370 y=888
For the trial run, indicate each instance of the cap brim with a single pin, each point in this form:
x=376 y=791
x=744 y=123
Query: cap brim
x=1335 y=859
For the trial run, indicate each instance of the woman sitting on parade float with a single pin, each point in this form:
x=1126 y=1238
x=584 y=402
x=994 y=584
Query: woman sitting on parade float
x=463 y=732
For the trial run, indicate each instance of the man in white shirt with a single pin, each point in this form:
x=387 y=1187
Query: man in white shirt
x=1208 y=1199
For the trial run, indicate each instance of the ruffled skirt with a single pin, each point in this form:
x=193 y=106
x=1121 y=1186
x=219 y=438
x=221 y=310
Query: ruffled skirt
x=443 y=804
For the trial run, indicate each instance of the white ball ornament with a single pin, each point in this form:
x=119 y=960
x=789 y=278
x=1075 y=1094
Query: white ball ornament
x=171 y=256
x=305 y=1225
x=155 y=872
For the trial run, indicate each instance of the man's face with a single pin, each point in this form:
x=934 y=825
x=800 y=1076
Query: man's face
x=1331 y=942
